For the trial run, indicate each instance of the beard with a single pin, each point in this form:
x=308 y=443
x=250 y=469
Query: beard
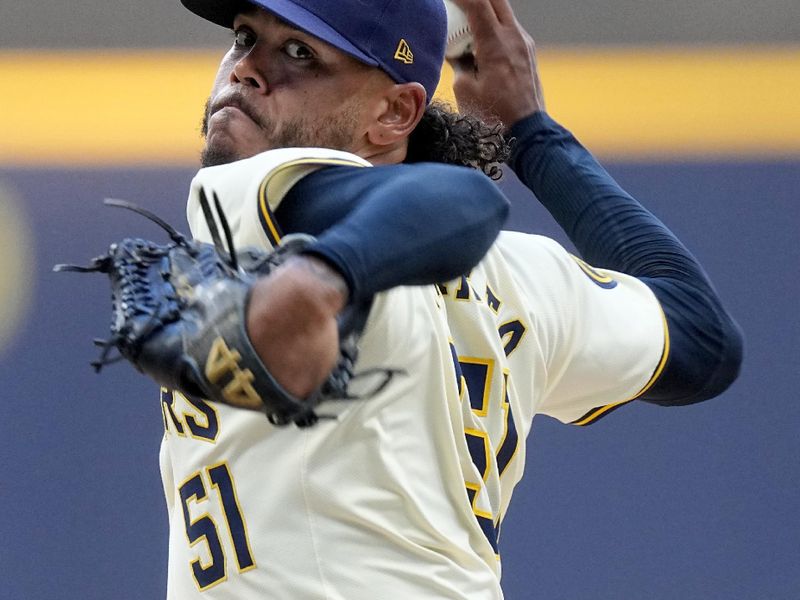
x=335 y=131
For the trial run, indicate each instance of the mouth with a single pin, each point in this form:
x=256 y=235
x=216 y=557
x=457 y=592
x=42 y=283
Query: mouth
x=232 y=105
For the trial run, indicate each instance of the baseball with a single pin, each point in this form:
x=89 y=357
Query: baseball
x=459 y=37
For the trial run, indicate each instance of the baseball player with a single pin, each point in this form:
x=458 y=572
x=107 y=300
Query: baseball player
x=316 y=113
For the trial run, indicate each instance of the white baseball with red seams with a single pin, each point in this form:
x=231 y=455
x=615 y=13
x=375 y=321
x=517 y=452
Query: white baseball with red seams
x=459 y=36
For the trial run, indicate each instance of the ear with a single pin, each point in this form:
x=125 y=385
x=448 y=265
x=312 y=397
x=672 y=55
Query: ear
x=401 y=109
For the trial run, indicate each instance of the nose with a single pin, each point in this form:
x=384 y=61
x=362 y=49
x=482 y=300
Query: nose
x=247 y=71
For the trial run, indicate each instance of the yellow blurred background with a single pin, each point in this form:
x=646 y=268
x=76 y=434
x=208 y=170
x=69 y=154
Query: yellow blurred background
x=117 y=107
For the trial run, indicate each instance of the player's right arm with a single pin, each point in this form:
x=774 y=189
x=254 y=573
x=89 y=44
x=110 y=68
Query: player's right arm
x=608 y=226
x=377 y=228
x=394 y=225
x=612 y=230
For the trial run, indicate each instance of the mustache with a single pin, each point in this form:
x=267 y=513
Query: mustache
x=236 y=99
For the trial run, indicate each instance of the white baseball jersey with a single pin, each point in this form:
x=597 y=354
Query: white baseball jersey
x=402 y=494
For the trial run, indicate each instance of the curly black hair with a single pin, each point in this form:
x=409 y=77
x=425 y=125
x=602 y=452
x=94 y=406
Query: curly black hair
x=446 y=136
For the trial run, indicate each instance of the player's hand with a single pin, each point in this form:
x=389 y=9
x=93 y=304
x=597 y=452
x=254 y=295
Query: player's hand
x=291 y=322
x=501 y=80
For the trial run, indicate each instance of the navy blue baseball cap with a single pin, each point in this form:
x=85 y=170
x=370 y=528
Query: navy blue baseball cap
x=404 y=38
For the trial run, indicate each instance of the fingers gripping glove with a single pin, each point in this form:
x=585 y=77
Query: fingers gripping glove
x=178 y=315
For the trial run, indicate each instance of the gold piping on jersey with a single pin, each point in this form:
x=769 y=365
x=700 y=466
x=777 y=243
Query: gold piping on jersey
x=268 y=222
x=596 y=413
x=597 y=276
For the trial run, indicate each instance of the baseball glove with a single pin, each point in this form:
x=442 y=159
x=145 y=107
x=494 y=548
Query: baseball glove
x=178 y=314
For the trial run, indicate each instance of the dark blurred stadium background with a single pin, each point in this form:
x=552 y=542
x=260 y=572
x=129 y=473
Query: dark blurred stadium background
x=692 y=106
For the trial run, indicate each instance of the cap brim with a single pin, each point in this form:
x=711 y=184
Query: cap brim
x=223 y=12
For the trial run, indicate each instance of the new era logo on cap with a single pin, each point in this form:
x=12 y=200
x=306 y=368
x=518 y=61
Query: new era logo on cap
x=404 y=53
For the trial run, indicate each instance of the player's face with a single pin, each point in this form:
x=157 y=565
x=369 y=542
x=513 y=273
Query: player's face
x=278 y=87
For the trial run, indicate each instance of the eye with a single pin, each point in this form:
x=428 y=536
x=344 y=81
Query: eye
x=243 y=38
x=298 y=50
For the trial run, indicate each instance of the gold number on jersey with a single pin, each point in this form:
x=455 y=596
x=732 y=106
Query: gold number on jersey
x=204 y=528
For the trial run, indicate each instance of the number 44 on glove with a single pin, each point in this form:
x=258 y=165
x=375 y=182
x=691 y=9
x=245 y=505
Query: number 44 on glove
x=178 y=314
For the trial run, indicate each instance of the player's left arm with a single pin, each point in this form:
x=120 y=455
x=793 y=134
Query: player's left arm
x=607 y=225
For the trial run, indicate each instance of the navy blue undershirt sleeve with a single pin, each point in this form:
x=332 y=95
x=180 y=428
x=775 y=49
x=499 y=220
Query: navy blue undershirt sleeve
x=612 y=230
x=387 y=226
